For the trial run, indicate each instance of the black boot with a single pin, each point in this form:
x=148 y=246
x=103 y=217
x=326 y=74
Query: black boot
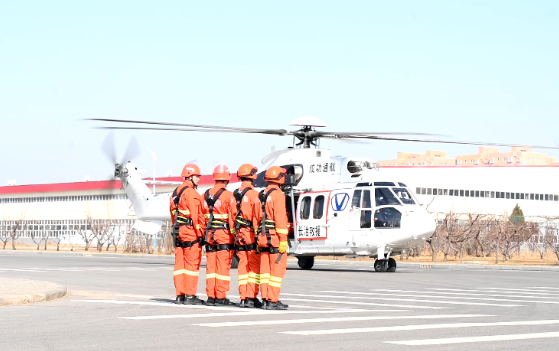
x=253 y=303
x=277 y=306
x=180 y=300
x=192 y=300
x=265 y=304
x=210 y=301
x=223 y=302
x=244 y=303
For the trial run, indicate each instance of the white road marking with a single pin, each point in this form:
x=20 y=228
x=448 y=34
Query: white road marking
x=158 y=304
x=339 y=319
x=247 y=312
x=457 y=293
x=497 y=290
x=22 y=270
x=542 y=287
x=418 y=327
x=471 y=339
x=406 y=300
x=361 y=304
x=392 y=293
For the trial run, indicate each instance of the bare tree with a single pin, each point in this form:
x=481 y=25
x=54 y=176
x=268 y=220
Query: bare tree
x=551 y=240
x=15 y=231
x=4 y=234
x=37 y=236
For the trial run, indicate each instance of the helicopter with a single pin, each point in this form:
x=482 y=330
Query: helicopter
x=339 y=206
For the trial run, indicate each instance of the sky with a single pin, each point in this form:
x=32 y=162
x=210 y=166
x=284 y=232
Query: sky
x=473 y=70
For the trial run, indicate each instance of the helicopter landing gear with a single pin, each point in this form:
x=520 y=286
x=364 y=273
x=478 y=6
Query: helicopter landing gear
x=385 y=265
x=305 y=262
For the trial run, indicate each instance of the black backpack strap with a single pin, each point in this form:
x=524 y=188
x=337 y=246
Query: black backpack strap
x=263 y=199
x=211 y=200
x=176 y=199
x=240 y=220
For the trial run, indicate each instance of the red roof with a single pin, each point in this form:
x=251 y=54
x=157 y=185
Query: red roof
x=93 y=185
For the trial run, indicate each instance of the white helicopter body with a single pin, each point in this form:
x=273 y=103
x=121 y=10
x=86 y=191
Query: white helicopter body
x=342 y=207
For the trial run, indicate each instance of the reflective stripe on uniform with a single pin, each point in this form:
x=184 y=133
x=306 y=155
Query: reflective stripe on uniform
x=198 y=226
x=179 y=271
x=173 y=212
x=211 y=276
x=218 y=216
x=243 y=279
x=264 y=278
x=192 y=273
x=282 y=231
x=275 y=282
x=185 y=212
x=223 y=277
x=253 y=278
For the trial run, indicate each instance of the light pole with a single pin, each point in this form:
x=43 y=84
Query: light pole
x=154 y=160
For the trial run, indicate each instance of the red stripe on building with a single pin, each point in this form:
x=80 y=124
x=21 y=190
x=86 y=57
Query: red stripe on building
x=93 y=185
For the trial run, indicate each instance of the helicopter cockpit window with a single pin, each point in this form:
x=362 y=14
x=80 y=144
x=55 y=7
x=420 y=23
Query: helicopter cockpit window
x=366 y=218
x=387 y=217
x=356 y=201
x=318 y=209
x=383 y=196
x=296 y=170
x=366 y=203
x=404 y=196
x=305 y=208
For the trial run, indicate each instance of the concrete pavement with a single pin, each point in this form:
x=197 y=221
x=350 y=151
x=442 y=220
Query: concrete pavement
x=126 y=303
x=23 y=291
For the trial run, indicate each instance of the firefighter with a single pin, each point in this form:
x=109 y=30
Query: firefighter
x=272 y=238
x=186 y=217
x=219 y=210
x=249 y=259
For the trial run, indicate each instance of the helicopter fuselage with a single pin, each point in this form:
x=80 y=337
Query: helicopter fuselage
x=337 y=204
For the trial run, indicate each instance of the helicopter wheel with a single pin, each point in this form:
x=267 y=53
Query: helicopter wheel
x=305 y=262
x=381 y=265
x=391 y=265
x=235 y=261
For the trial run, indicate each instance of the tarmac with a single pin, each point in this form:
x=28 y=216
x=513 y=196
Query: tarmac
x=123 y=302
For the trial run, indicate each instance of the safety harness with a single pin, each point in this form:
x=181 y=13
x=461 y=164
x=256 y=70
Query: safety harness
x=241 y=222
x=266 y=223
x=215 y=224
x=180 y=221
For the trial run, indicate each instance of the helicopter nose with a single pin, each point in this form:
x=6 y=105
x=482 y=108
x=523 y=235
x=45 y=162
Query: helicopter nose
x=423 y=225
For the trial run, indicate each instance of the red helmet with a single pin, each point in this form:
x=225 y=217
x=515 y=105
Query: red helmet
x=221 y=172
x=190 y=170
x=276 y=175
x=247 y=171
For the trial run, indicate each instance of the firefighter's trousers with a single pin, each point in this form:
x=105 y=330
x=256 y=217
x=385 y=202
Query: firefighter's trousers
x=218 y=278
x=249 y=274
x=187 y=267
x=271 y=275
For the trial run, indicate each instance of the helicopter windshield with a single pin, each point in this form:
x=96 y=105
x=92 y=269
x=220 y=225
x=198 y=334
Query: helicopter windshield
x=296 y=170
x=383 y=197
x=404 y=196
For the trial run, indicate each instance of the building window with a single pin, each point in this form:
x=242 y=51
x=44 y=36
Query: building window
x=423 y=191
x=418 y=190
x=451 y=192
x=467 y=193
x=428 y=191
x=461 y=192
x=555 y=197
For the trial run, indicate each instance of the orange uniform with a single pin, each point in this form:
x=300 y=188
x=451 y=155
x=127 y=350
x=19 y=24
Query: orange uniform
x=249 y=259
x=219 y=238
x=270 y=234
x=188 y=251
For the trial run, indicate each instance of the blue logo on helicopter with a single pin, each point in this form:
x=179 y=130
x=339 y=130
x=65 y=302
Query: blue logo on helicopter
x=339 y=201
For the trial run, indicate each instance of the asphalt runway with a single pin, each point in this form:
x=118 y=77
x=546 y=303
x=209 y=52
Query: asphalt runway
x=125 y=303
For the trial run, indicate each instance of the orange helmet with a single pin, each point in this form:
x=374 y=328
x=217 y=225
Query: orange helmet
x=276 y=175
x=221 y=172
x=247 y=171
x=190 y=170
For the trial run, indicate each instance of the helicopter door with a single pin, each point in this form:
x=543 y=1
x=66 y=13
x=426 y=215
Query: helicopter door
x=312 y=222
x=361 y=217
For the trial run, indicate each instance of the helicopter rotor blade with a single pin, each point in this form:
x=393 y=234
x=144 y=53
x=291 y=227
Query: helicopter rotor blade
x=132 y=151
x=201 y=126
x=109 y=148
x=459 y=142
x=263 y=131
